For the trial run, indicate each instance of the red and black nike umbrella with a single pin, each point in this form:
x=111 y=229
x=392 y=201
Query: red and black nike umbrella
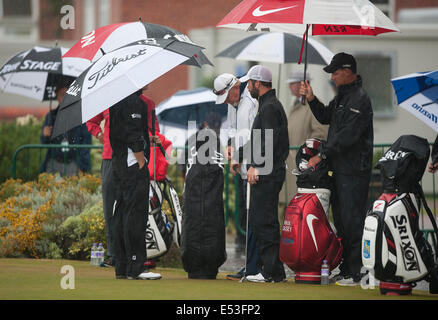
x=323 y=17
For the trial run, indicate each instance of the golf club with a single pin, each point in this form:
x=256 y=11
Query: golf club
x=248 y=191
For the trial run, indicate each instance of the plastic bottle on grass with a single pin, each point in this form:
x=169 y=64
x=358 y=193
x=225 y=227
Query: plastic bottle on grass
x=101 y=254
x=325 y=273
x=93 y=255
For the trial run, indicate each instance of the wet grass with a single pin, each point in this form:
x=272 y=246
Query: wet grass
x=30 y=279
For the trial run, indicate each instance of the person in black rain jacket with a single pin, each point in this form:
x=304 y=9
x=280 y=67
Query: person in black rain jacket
x=65 y=161
x=349 y=149
x=129 y=138
x=266 y=172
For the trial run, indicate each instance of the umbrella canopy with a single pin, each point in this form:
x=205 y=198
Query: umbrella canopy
x=346 y=17
x=418 y=94
x=325 y=17
x=34 y=73
x=188 y=105
x=117 y=75
x=277 y=47
x=108 y=38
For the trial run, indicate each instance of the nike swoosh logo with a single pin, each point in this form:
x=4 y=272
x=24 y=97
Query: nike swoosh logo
x=309 y=220
x=258 y=13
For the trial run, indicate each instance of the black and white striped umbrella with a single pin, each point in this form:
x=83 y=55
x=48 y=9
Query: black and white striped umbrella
x=33 y=73
x=116 y=75
x=110 y=37
x=277 y=47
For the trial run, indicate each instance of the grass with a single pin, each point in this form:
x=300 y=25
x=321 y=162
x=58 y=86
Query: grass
x=40 y=279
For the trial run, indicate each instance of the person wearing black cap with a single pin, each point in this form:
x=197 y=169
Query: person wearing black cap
x=65 y=161
x=349 y=149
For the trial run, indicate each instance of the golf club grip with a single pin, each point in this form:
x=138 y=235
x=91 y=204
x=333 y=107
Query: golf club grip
x=153 y=122
x=303 y=100
x=160 y=146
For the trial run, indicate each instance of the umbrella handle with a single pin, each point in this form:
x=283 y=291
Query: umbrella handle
x=306 y=35
x=153 y=142
x=153 y=122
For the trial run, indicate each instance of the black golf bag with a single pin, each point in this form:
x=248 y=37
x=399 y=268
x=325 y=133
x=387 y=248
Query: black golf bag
x=392 y=242
x=203 y=223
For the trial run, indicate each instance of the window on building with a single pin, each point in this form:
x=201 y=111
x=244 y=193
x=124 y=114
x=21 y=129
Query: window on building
x=18 y=19
x=376 y=72
x=17 y=8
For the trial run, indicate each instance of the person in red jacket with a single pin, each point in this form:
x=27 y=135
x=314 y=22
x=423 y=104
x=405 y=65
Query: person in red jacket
x=108 y=190
x=151 y=106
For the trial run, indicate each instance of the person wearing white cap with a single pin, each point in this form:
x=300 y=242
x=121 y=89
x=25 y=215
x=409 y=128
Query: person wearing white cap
x=302 y=125
x=242 y=109
x=266 y=178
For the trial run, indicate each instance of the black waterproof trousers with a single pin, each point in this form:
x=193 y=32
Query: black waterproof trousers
x=130 y=218
x=264 y=223
x=349 y=205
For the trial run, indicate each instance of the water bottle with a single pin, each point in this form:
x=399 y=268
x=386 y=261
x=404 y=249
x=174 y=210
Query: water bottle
x=93 y=255
x=101 y=254
x=325 y=272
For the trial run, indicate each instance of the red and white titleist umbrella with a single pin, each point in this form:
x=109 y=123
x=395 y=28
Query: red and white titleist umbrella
x=116 y=75
x=113 y=36
x=326 y=17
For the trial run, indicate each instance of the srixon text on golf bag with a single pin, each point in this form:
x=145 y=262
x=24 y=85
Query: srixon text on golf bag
x=392 y=242
x=307 y=237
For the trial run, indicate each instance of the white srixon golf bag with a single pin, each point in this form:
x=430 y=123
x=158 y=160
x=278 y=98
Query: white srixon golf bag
x=392 y=243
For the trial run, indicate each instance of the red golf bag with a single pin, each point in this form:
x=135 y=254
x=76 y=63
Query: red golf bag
x=307 y=238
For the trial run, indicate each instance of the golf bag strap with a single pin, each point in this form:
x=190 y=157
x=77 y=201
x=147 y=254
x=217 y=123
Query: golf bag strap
x=430 y=214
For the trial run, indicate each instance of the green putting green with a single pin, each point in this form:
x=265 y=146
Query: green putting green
x=40 y=279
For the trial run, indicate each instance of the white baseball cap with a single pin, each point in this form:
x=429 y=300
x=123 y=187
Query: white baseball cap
x=222 y=84
x=297 y=76
x=259 y=73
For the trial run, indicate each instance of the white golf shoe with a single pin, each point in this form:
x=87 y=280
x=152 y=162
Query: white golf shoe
x=147 y=276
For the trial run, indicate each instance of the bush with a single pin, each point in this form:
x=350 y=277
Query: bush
x=77 y=234
x=12 y=136
x=57 y=218
x=33 y=215
x=28 y=163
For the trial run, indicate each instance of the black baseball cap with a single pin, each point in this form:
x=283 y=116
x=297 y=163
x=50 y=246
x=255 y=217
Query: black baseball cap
x=341 y=60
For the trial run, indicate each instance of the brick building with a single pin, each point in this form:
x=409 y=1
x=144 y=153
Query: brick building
x=42 y=19
x=25 y=23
